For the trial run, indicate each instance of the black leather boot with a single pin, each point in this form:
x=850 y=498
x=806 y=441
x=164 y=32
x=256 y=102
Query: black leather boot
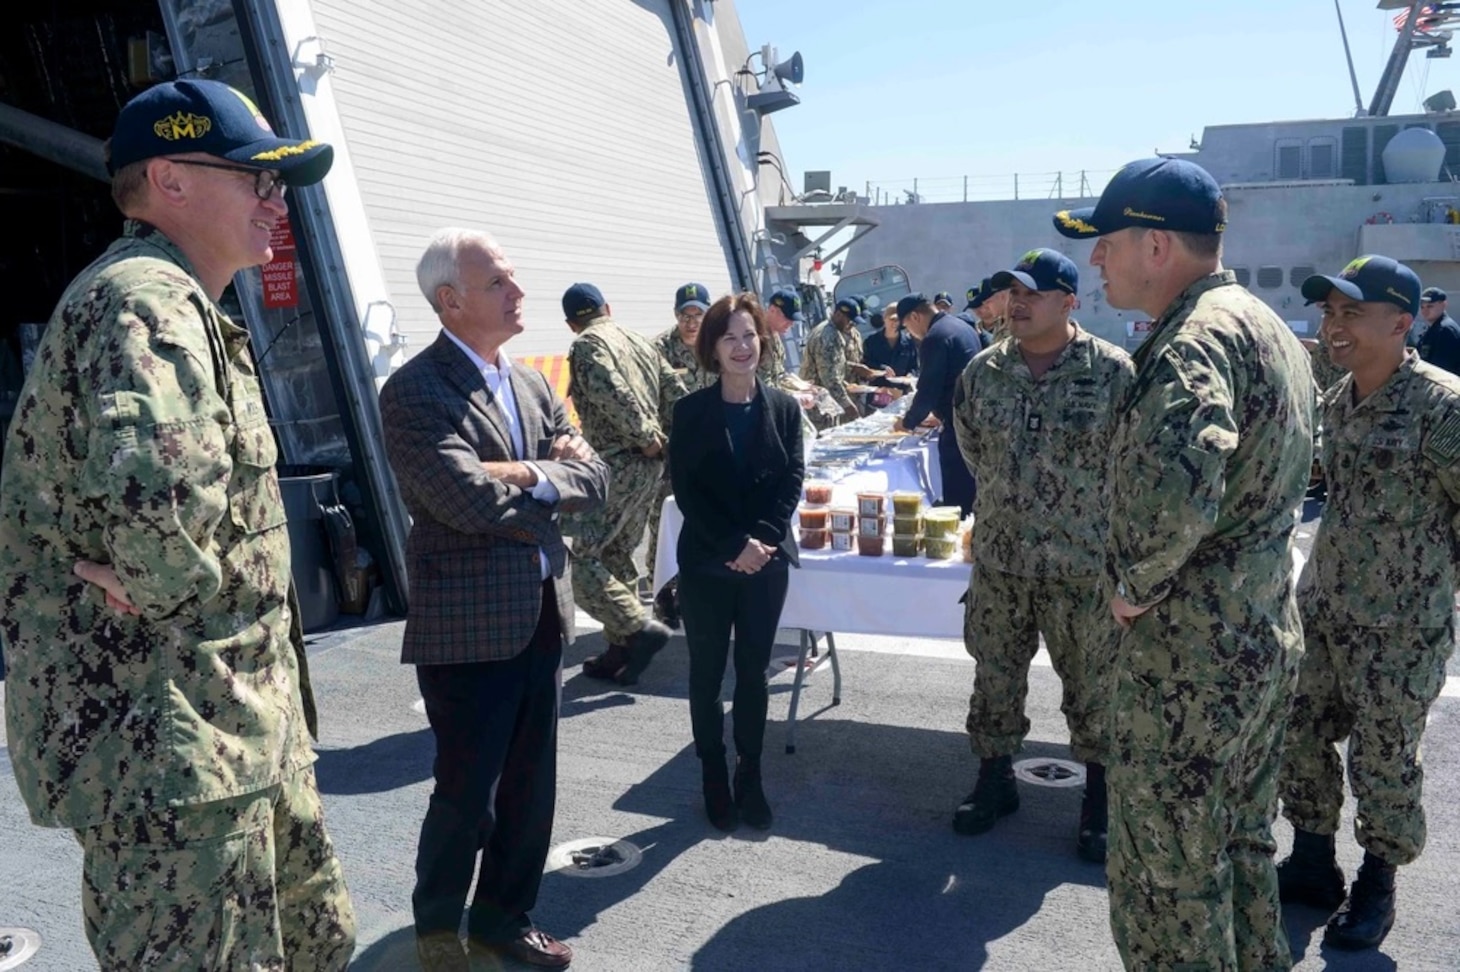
x=1094 y=816
x=1369 y=913
x=995 y=794
x=719 y=807
x=1311 y=874
x=749 y=797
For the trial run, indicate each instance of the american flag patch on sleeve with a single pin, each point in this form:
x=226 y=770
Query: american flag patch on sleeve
x=1443 y=445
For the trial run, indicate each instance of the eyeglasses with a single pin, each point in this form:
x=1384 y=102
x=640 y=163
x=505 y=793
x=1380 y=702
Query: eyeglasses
x=265 y=181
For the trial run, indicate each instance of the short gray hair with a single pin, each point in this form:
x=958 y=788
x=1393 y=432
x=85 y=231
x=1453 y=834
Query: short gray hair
x=440 y=265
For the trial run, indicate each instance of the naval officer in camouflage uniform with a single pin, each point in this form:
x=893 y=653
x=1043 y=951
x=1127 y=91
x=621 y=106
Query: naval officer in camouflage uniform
x=1034 y=419
x=833 y=351
x=677 y=344
x=1377 y=599
x=624 y=392
x=1210 y=462
x=157 y=702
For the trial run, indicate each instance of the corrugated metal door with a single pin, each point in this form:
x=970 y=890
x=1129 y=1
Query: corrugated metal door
x=561 y=127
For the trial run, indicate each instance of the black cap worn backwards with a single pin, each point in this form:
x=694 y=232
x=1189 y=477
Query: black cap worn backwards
x=211 y=117
x=1042 y=269
x=1169 y=194
x=581 y=300
x=1370 y=279
x=788 y=302
x=692 y=295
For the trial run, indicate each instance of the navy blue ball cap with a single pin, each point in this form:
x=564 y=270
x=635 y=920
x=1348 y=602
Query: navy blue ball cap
x=580 y=300
x=788 y=302
x=1168 y=194
x=971 y=295
x=1042 y=269
x=849 y=307
x=942 y=297
x=1433 y=295
x=213 y=118
x=692 y=295
x=909 y=304
x=1370 y=279
x=985 y=291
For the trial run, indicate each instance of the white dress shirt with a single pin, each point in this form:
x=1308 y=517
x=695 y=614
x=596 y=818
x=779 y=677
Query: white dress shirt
x=496 y=377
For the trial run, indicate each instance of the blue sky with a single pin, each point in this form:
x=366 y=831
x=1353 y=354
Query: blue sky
x=940 y=89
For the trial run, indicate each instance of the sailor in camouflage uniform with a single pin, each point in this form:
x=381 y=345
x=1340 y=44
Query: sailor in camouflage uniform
x=624 y=392
x=1377 y=600
x=1034 y=419
x=677 y=344
x=157 y=701
x=1211 y=458
x=833 y=353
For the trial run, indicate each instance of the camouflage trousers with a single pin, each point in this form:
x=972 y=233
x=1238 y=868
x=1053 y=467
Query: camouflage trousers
x=1373 y=687
x=1193 y=792
x=251 y=882
x=605 y=578
x=1003 y=618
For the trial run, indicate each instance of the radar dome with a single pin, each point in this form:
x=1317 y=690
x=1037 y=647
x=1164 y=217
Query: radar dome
x=1414 y=155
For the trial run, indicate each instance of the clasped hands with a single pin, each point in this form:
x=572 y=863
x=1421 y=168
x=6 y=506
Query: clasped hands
x=755 y=556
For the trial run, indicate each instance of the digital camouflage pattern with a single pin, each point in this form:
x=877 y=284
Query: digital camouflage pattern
x=1377 y=602
x=140 y=441
x=1004 y=618
x=1384 y=555
x=829 y=352
x=1211 y=459
x=624 y=391
x=681 y=358
x=230 y=898
x=1039 y=452
x=1373 y=687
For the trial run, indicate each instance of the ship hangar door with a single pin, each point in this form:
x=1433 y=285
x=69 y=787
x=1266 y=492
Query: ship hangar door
x=562 y=128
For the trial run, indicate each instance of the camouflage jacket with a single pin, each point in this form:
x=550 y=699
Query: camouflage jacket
x=141 y=442
x=1385 y=551
x=1211 y=458
x=1039 y=451
x=828 y=354
x=681 y=358
x=1325 y=372
x=622 y=388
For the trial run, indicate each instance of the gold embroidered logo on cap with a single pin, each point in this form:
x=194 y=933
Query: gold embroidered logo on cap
x=1137 y=214
x=183 y=124
x=1074 y=222
x=284 y=151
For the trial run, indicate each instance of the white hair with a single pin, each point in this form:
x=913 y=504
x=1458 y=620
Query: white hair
x=440 y=265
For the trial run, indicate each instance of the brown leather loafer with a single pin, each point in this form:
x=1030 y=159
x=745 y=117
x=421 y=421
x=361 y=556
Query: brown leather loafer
x=533 y=947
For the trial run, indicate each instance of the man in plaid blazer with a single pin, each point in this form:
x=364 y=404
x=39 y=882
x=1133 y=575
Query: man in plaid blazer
x=486 y=461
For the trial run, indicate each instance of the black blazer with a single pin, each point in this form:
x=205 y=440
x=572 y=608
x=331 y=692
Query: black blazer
x=724 y=507
x=946 y=350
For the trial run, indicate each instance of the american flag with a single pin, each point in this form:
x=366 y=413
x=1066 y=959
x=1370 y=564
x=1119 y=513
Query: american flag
x=1421 y=25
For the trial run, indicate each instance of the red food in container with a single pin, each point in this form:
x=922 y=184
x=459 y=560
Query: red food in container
x=872 y=526
x=843 y=519
x=813 y=517
x=818 y=494
x=870 y=546
x=871 y=504
x=813 y=539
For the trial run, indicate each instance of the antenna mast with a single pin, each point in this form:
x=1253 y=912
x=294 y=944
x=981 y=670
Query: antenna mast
x=1349 y=54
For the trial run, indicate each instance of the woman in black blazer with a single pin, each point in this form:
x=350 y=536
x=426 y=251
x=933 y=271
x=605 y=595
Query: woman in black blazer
x=736 y=466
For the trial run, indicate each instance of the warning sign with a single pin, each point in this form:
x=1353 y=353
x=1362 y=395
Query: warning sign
x=281 y=288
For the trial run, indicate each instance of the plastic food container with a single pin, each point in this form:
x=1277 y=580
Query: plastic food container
x=871 y=526
x=908 y=525
x=907 y=503
x=871 y=504
x=940 y=522
x=814 y=517
x=813 y=539
x=843 y=541
x=905 y=545
x=939 y=548
x=818 y=493
x=843 y=519
x=870 y=546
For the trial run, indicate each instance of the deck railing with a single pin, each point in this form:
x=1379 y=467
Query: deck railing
x=1074 y=184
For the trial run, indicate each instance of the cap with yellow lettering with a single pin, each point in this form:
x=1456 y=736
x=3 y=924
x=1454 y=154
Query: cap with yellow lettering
x=1169 y=194
x=215 y=119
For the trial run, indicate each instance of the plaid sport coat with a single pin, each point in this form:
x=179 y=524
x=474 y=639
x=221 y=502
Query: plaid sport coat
x=475 y=579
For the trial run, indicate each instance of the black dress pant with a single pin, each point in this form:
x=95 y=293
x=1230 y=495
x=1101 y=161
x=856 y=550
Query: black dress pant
x=712 y=606
x=496 y=727
x=958 y=485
